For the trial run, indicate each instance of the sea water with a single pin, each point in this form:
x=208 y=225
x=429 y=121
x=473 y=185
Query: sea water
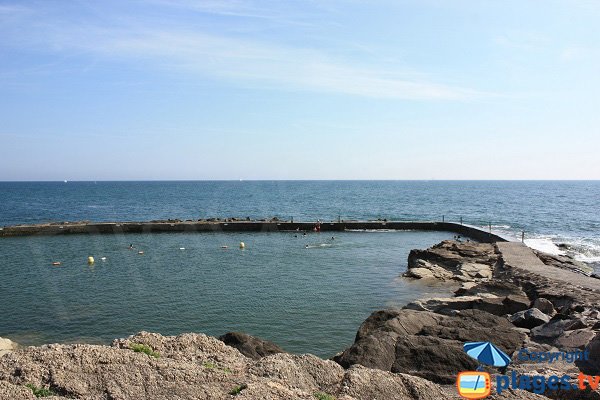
x=307 y=300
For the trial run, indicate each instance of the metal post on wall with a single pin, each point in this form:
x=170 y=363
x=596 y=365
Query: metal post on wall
x=443 y=218
x=523 y=237
x=461 y=220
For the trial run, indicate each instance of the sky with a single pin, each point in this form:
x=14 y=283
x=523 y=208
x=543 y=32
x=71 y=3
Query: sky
x=302 y=89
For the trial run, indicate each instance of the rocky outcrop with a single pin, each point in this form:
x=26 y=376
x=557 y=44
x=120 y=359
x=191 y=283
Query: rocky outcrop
x=426 y=344
x=486 y=302
x=564 y=262
x=250 y=346
x=450 y=260
x=192 y=366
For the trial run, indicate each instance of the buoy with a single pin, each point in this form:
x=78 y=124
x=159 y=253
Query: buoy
x=182 y=248
x=90 y=260
x=140 y=252
x=242 y=245
x=103 y=258
x=56 y=263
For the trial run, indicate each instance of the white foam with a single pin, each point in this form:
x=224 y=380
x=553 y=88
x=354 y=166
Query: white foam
x=544 y=245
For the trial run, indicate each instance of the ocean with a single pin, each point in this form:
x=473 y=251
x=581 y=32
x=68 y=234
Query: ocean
x=305 y=299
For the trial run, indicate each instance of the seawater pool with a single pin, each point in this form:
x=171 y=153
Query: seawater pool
x=304 y=299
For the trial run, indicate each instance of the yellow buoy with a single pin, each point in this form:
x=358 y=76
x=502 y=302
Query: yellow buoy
x=242 y=245
x=90 y=260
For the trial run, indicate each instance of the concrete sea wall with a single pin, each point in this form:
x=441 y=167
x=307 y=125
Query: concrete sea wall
x=475 y=233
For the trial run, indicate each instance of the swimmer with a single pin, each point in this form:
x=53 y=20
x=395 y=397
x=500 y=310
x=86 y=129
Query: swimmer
x=131 y=246
x=333 y=238
x=306 y=246
x=304 y=234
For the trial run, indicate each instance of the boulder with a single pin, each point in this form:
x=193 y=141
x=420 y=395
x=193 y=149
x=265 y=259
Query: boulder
x=250 y=346
x=515 y=303
x=529 y=318
x=549 y=331
x=574 y=339
x=545 y=306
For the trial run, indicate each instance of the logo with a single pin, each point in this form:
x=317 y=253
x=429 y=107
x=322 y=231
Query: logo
x=477 y=384
x=474 y=384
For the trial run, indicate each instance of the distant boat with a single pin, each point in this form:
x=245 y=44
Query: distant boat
x=65 y=181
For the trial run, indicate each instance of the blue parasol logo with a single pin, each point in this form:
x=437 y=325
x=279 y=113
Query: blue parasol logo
x=487 y=353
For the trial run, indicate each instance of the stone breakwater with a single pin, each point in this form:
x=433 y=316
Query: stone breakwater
x=237 y=225
x=409 y=353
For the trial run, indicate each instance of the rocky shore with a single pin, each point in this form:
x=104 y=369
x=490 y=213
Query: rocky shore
x=410 y=353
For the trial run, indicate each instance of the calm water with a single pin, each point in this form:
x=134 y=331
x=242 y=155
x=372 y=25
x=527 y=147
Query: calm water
x=549 y=211
x=307 y=300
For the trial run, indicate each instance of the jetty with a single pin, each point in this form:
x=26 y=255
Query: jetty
x=523 y=259
x=236 y=225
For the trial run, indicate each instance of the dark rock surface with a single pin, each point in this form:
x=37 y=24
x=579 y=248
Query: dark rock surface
x=426 y=344
x=529 y=318
x=250 y=346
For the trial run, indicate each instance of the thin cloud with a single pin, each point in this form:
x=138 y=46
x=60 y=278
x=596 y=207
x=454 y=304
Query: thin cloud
x=241 y=61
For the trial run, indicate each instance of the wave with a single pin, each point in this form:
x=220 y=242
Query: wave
x=545 y=245
x=317 y=246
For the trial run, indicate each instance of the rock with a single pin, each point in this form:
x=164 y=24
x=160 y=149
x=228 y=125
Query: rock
x=574 y=339
x=302 y=371
x=6 y=346
x=529 y=318
x=549 y=331
x=453 y=260
x=496 y=287
x=564 y=262
x=401 y=322
x=545 y=306
x=576 y=323
x=435 y=359
x=474 y=326
x=195 y=367
x=475 y=270
x=426 y=270
x=486 y=302
x=426 y=344
x=516 y=303
x=363 y=383
x=591 y=366
x=250 y=346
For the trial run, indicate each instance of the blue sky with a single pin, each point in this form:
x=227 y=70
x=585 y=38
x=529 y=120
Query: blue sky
x=178 y=89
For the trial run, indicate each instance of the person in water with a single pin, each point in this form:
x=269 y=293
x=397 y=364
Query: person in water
x=131 y=246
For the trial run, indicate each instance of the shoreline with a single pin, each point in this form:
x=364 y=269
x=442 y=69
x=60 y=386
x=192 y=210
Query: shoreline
x=525 y=309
